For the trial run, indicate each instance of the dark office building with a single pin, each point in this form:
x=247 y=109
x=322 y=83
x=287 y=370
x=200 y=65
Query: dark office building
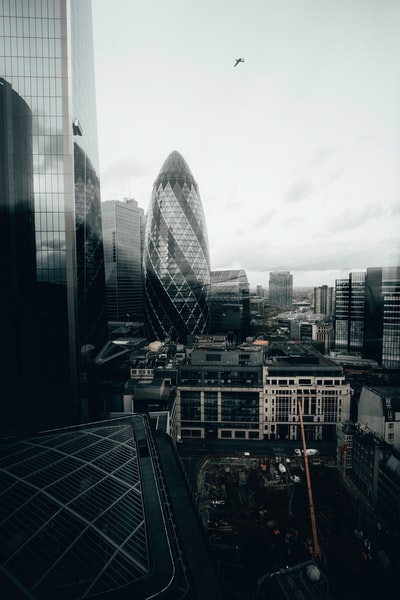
x=391 y=317
x=176 y=256
x=349 y=313
x=367 y=315
x=373 y=314
x=47 y=58
x=230 y=303
x=122 y=222
x=17 y=255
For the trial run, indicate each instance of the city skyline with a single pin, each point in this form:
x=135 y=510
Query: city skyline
x=295 y=150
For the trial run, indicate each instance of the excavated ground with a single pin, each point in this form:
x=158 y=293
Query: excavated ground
x=258 y=520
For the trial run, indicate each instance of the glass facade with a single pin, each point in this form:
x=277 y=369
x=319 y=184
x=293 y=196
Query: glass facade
x=391 y=317
x=230 y=303
x=342 y=291
x=123 y=259
x=46 y=54
x=176 y=256
x=17 y=251
x=349 y=313
x=373 y=314
x=367 y=315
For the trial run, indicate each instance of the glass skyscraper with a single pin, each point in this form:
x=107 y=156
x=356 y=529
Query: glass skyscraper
x=46 y=57
x=230 y=303
x=367 y=315
x=391 y=317
x=349 y=313
x=176 y=256
x=122 y=222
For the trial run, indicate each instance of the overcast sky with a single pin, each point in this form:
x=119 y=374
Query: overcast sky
x=295 y=151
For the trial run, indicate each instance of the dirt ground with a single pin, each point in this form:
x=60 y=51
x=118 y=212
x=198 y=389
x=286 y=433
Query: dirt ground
x=258 y=520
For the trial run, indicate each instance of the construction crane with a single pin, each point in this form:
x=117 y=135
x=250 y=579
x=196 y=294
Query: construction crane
x=316 y=552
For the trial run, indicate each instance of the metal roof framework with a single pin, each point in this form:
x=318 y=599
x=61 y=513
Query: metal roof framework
x=72 y=514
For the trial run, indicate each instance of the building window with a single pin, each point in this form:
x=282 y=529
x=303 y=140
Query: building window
x=213 y=357
x=210 y=406
x=190 y=406
x=226 y=434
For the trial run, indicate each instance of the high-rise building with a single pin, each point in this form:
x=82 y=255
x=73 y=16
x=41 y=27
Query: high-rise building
x=260 y=291
x=47 y=59
x=123 y=259
x=349 y=313
x=323 y=300
x=176 y=256
x=230 y=303
x=391 y=317
x=17 y=254
x=382 y=316
x=373 y=314
x=367 y=315
x=281 y=288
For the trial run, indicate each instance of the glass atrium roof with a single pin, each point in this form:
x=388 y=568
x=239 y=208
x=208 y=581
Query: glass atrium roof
x=72 y=519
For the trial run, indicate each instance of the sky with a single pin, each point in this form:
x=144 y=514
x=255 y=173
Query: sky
x=295 y=150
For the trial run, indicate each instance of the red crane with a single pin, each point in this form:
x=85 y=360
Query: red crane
x=316 y=552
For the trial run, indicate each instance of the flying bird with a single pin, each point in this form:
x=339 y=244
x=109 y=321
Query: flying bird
x=238 y=60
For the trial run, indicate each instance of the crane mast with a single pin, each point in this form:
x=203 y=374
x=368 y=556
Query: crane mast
x=316 y=549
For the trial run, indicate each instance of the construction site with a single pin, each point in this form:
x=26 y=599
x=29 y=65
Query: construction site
x=266 y=514
x=256 y=511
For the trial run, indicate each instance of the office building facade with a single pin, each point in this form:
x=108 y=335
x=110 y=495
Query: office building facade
x=298 y=374
x=367 y=315
x=281 y=289
x=349 y=313
x=47 y=58
x=123 y=259
x=220 y=391
x=230 y=303
x=253 y=392
x=391 y=317
x=17 y=253
x=176 y=259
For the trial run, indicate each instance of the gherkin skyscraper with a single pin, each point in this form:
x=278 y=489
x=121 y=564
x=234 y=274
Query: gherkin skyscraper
x=176 y=256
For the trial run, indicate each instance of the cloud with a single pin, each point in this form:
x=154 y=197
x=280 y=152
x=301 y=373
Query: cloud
x=354 y=219
x=298 y=191
x=323 y=154
x=264 y=220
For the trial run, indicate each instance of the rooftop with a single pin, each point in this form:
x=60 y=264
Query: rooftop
x=84 y=514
